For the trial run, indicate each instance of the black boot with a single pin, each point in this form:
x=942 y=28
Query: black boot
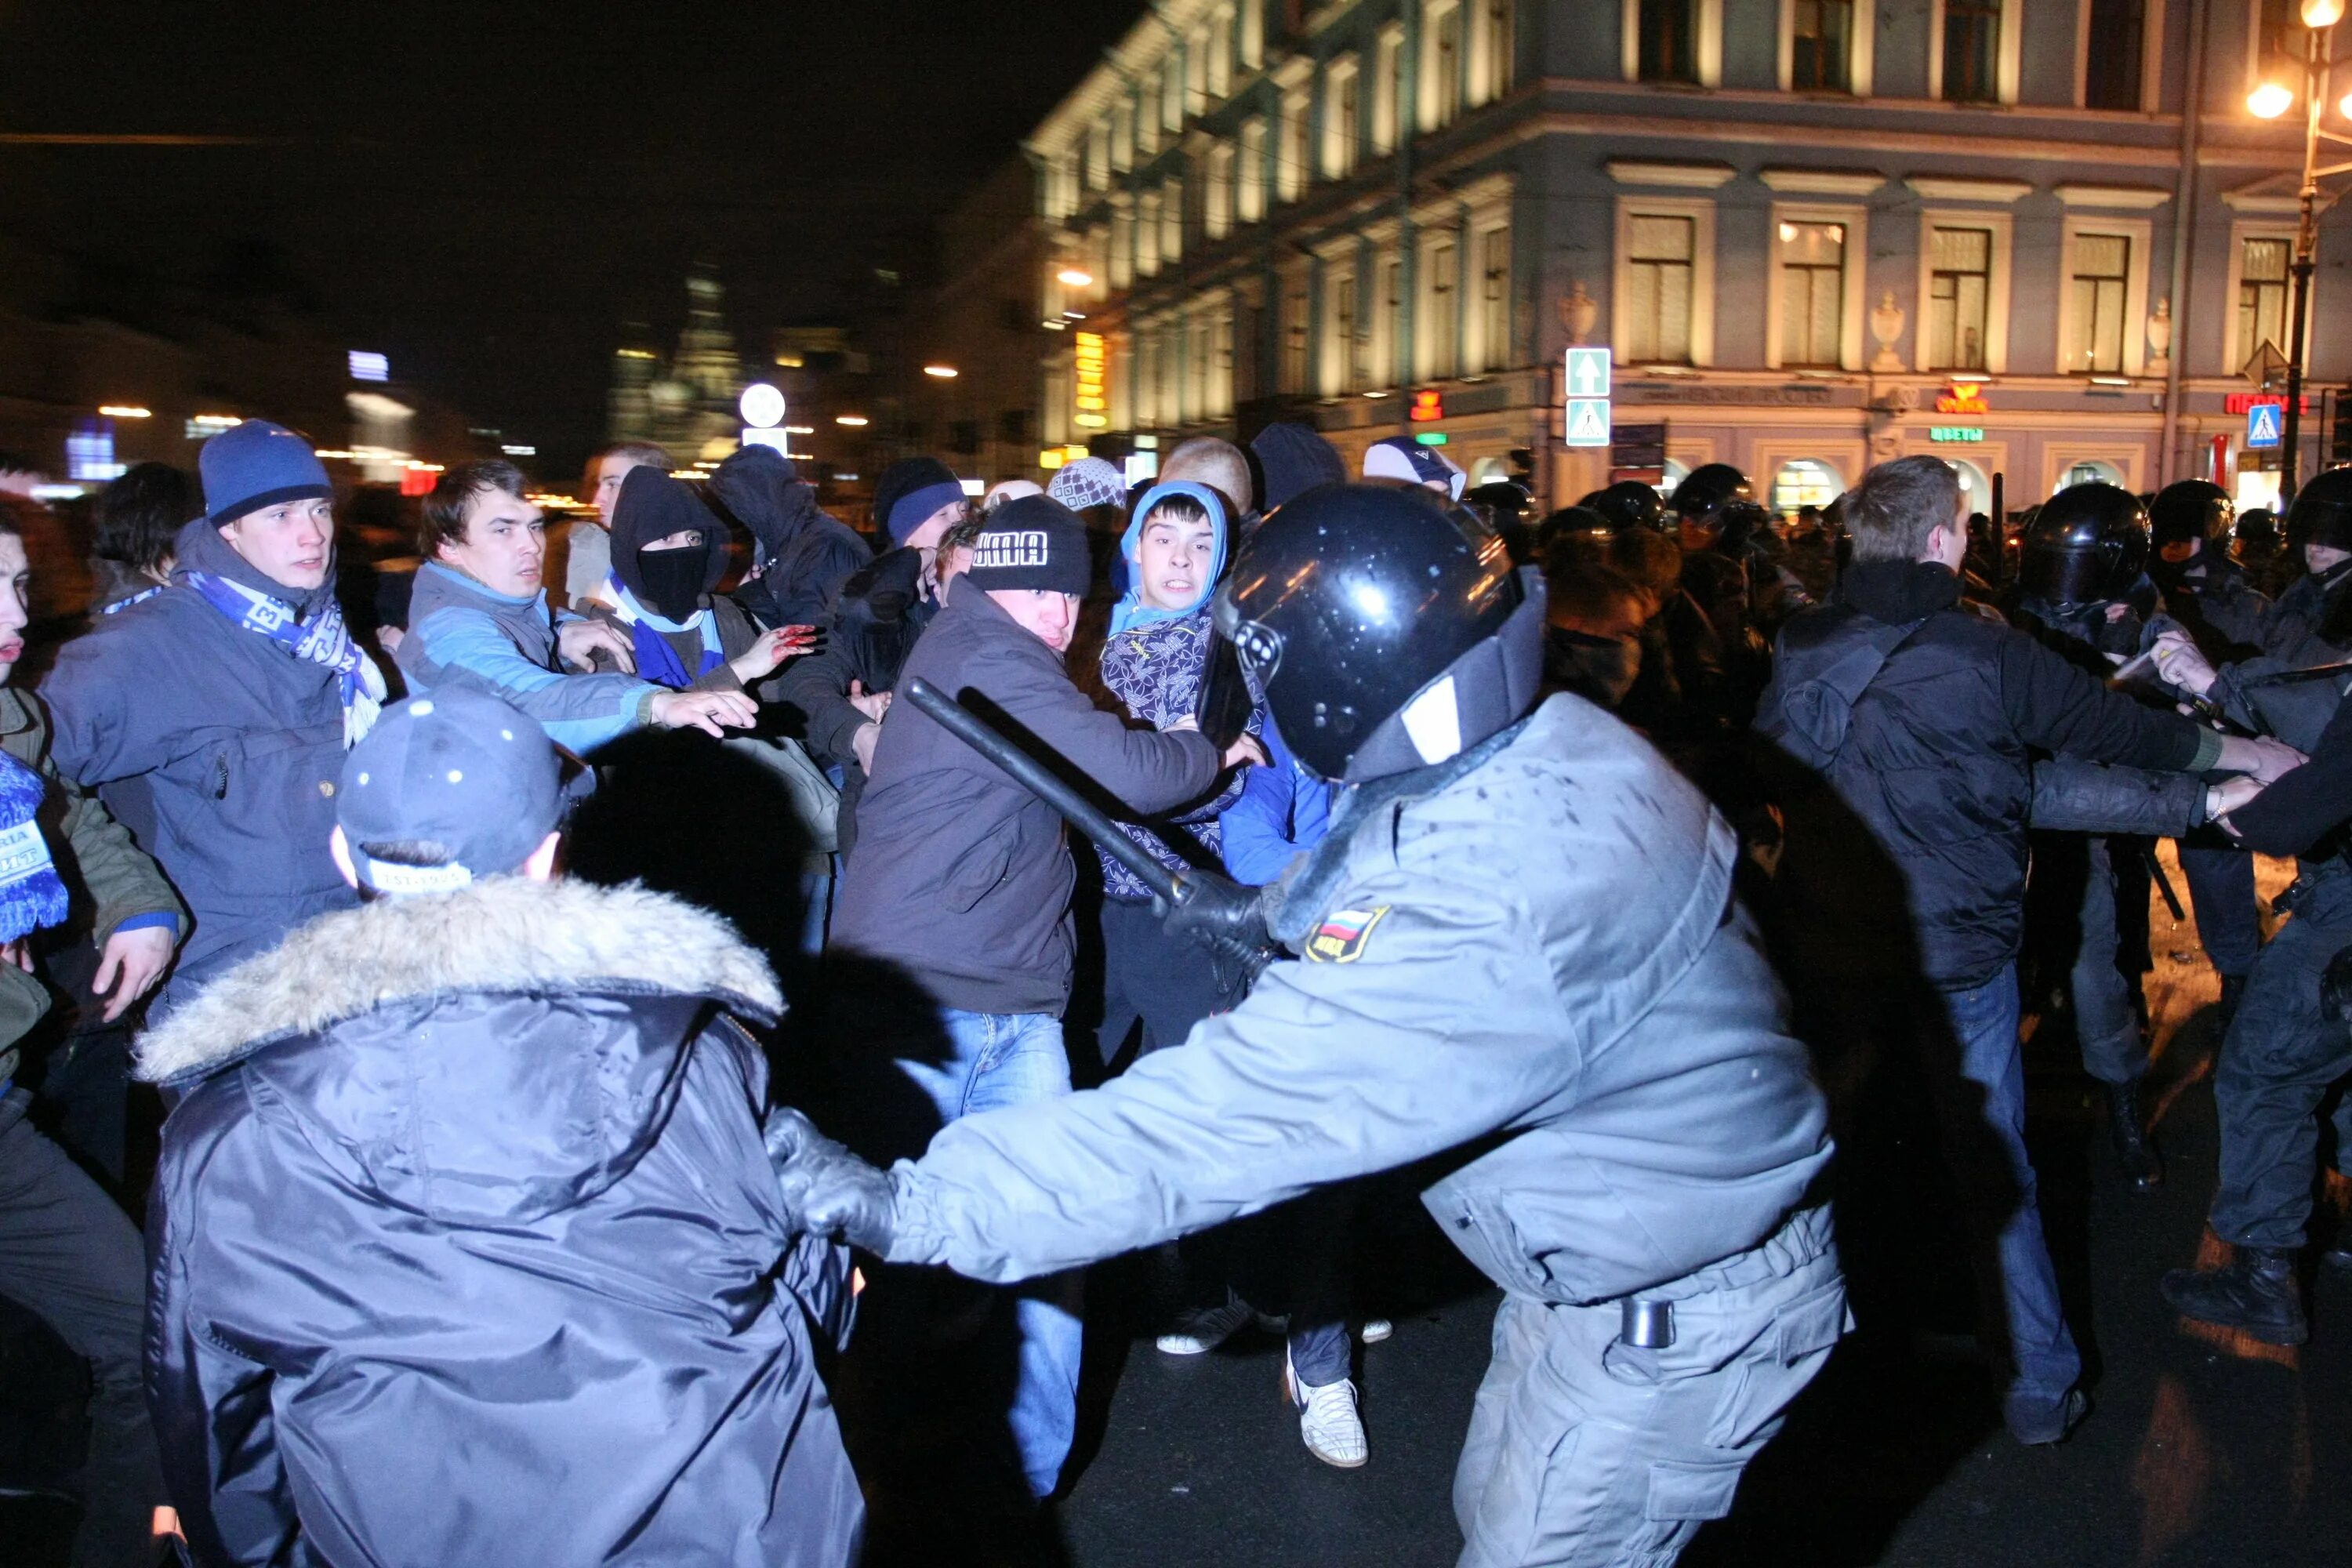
x=2256 y=1293
x=2133 y=1149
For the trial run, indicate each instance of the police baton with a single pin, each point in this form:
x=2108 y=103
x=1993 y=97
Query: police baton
x=1176 y=889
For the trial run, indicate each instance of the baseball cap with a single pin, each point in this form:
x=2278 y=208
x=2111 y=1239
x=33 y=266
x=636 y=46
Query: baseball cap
x=456 y=770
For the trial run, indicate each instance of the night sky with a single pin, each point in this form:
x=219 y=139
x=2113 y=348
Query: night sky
x=486 y=191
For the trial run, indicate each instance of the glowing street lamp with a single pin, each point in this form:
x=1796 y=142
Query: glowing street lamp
x=1075 y=277
x=2321 y=13
x=854 y=421
x=2269 y=101
x=940 y=372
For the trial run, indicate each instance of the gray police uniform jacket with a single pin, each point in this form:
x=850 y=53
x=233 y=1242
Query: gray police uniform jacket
x=1536 y=944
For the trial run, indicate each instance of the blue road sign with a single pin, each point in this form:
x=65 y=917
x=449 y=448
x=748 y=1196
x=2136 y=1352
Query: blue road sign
x=1588 y=422
x=1588 y=373
x=2265 y=424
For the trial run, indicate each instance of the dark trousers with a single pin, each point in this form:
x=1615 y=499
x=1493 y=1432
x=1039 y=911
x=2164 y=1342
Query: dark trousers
x=68 y=1255
x=2281 y=1054
x=2228 y=915
x=1164 y=982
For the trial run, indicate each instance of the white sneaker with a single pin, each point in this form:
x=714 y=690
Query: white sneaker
x=1376 y=1329
x=1327 y=1420
x=1203 y=1329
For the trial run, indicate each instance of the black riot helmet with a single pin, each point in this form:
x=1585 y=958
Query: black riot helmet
x=1628 y=503
x=2191 y=508
x=1387 y=629
x=2321 y=512
x=2086 y=545
x=1708 y=487
x=2258 y=534
x=1740 y=523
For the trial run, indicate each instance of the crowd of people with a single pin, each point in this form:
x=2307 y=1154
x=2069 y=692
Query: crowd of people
x=1602 y=869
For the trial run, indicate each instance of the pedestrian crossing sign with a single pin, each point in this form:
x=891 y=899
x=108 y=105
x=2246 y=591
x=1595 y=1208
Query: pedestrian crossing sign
x=2265 y=424
x=1588 y=422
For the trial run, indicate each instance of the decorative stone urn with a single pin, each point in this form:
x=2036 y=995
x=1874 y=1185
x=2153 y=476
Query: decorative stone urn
x=1886 y=326
x=1578 y=313
x=2159 y=338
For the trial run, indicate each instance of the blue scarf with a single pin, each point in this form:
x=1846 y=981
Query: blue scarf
x=656 y=660
x=325 y=641
x=1132 y=611
x=139 y=597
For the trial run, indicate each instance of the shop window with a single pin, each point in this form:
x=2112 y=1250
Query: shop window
x=2091 y=471
x=1803 y=482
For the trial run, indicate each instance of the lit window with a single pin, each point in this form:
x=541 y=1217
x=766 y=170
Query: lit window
x=1960 y=291
x=1803 y=482
x=1658 y=278
x=2095 y=338
x=2262 y=296
x=1812 y=293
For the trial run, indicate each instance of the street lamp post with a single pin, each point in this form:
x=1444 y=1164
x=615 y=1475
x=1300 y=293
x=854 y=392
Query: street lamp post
x=2269 y=101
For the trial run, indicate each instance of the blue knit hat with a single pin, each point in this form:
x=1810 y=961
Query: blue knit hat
x=257 y=464
x=31 y=896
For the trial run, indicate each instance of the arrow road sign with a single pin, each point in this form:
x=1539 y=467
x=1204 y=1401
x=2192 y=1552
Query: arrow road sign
x=1588 y=373
x=1588 y=422
x=2264 y=424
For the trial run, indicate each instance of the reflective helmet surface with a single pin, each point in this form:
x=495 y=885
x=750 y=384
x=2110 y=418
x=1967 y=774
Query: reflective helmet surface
x=1628 y=503
x=1351 y=600
x=1708 y=487
x=2321 y=512
x=2086 y=544
x=2190 y=508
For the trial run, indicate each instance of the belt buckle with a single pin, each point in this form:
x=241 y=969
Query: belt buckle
x=1646 y=1325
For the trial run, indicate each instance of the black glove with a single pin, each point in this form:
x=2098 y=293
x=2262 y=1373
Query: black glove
x=1223 y=916
x=827 y=1190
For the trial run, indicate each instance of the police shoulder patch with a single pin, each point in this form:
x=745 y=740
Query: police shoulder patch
x=1341 y=937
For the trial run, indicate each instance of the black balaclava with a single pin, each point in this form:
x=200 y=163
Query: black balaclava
x=673 y=580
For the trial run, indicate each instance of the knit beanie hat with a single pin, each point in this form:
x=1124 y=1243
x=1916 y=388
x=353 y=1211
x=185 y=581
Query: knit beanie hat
x=1089 y=481
x=1033 y=541
x=257 y=464
x=1402 y=458
x=31 y=896
x=909 y=491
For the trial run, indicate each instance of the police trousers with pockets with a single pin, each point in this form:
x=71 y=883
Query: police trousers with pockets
x=1586 y=1452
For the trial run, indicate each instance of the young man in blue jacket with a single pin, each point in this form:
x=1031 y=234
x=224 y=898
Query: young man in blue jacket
x=480 y=616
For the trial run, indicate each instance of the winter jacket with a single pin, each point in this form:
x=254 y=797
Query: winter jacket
x=803 y=555
x=1532 y=950
x=115 y=881
x=2220 y=606
x=1155 y=671
x=875 y=622
x=2310 y=624
x=241 y=745
x=464 y=1248
x=959 y=874
x=461 y=632
x=1908 y=858
x=1284 y=811
x=735 y=636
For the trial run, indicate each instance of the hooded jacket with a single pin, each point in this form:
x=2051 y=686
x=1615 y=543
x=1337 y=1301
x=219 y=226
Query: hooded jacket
x=464 y=1246
x=1529 y=956
x=461 y=631
x=958 y=872
x=1904 y=859
x=1293 y=459
x=1155 y=666
x=872 y=630
x=240 y=744
x=804 y=556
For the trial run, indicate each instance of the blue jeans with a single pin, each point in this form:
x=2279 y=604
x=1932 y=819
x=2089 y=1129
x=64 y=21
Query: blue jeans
x=1978 y=1077
x=1017 y=1058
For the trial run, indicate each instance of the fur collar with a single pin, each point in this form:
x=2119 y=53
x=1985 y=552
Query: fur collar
x=505 y=934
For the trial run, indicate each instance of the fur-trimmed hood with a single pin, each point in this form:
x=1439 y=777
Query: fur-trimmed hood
x=482 y=1057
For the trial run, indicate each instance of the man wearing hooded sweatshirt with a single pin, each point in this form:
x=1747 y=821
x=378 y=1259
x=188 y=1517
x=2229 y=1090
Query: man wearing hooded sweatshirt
x=234 y=694
x=669 y=552
x=1292 y=459
x=464 y=1240
x=838 y=696
x=480 y=616
x=802 y=555
x=960 y=876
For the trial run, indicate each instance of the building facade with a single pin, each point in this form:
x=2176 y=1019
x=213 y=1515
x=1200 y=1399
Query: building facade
x=1815 y=234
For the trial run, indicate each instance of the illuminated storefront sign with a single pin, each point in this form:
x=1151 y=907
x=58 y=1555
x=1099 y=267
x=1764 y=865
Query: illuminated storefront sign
x=1963 y=397
x=1964 y=433
x=1426 y=406
x=1090 y=357
x=2233 y=403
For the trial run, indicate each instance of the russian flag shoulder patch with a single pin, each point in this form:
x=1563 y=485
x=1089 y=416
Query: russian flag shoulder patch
x=1341 y=936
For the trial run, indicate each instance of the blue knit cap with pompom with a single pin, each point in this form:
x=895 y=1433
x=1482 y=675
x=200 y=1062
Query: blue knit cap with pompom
x=31 y=896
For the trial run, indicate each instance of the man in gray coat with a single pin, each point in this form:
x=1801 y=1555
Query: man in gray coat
x=1520 y=943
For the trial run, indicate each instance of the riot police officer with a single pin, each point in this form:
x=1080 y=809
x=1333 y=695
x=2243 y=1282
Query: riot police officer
x=2081 y=589
x=1518 y=942
x=1628 y=503
x=2190 y=523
